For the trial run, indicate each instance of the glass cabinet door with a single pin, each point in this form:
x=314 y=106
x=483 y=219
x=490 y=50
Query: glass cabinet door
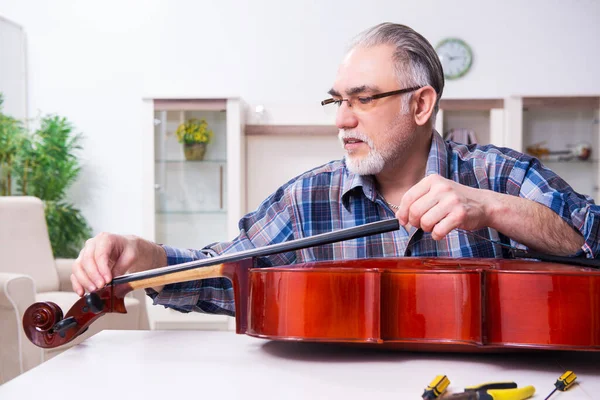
x=192 y=203
x=190 y=195
x=563 y=133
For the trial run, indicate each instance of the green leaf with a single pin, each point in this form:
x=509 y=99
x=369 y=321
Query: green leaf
x=44 y=164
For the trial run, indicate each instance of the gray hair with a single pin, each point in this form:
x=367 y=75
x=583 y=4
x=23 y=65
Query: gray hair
x=416 y=62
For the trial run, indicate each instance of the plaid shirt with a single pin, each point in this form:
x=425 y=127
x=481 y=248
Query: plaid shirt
x=330 y=197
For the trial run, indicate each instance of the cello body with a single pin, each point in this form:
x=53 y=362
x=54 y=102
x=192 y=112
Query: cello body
x=412 y=303
x=426 y=304
x=416 y=304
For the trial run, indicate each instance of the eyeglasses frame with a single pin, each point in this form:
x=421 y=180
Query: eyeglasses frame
x=373 y=97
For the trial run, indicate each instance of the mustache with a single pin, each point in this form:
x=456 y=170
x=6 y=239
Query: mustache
x=344 y=134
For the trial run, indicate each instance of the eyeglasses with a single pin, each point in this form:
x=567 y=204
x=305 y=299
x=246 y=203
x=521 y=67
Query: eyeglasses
x=364 y=103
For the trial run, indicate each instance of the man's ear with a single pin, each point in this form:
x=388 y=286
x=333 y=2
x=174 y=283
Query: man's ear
x=424 y=99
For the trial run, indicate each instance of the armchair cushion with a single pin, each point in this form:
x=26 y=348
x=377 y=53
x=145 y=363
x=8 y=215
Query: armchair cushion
x=63 y=267
x=24 y=242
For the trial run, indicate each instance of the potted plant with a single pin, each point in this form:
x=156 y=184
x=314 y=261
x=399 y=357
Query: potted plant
x=195 y=135
x=43 y=164
x=12 y=137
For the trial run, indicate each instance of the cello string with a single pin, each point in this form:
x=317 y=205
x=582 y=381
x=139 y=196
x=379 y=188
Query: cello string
x=497 y=243
x=473 y=234
x=515 y=252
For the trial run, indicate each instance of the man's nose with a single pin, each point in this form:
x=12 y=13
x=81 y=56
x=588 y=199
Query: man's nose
x=345 y=117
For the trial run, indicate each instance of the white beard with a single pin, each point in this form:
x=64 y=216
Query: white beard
x=371 y=164
x=374 y=162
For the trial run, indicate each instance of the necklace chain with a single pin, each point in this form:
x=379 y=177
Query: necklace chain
x=392 y=206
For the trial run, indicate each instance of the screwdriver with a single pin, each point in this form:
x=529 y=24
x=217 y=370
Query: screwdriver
x=494 y=391
x=565 y=381
x=436 y=388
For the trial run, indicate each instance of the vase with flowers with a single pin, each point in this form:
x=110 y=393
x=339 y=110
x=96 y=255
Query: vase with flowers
x=195 y=135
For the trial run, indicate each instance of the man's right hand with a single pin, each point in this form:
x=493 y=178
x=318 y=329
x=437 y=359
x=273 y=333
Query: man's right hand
x=108 y=255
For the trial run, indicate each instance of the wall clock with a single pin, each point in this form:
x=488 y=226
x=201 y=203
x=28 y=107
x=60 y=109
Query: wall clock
x=456 y=57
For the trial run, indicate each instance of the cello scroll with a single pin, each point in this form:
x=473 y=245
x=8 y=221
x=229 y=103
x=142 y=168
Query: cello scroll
x=46 y=327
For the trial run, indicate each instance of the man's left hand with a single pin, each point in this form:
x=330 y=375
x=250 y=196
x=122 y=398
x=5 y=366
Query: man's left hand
x=439 y=205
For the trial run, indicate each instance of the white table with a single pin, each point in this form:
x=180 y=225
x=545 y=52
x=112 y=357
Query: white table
x=222 y=365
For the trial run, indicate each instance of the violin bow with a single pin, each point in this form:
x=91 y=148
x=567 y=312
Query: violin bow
x=46 y=327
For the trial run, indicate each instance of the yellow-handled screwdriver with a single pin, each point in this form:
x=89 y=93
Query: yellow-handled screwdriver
x=494 y=391
x=436 y=388
x=563 y=383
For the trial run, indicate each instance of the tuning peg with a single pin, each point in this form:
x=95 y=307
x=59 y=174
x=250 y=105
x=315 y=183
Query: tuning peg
x=94 y=302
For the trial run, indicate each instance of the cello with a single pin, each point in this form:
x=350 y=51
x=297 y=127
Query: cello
x=411 y=303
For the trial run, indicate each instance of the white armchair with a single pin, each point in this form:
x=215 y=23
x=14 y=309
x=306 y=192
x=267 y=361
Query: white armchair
x=28 y=274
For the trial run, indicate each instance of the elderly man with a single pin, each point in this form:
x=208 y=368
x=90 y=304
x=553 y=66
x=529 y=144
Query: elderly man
x=387 y=92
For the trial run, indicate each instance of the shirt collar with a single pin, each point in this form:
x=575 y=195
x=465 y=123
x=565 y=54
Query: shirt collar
x=352 y=183
x=437 y=161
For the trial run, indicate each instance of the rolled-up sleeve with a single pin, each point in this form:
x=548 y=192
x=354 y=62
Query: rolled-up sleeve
x=587 y=221
x=214 y=295
x=579 y=211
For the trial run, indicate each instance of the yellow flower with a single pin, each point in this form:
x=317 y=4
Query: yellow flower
x=194 y=131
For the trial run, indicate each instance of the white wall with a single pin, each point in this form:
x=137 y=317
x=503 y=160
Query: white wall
x=94 y=62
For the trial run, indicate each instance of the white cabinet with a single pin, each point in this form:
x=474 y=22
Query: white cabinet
x=560 y=126
x=194 y=202
x=559 y=131
x=483 y=117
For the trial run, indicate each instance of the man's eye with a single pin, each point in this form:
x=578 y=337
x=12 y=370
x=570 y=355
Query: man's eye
x=365 y=100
